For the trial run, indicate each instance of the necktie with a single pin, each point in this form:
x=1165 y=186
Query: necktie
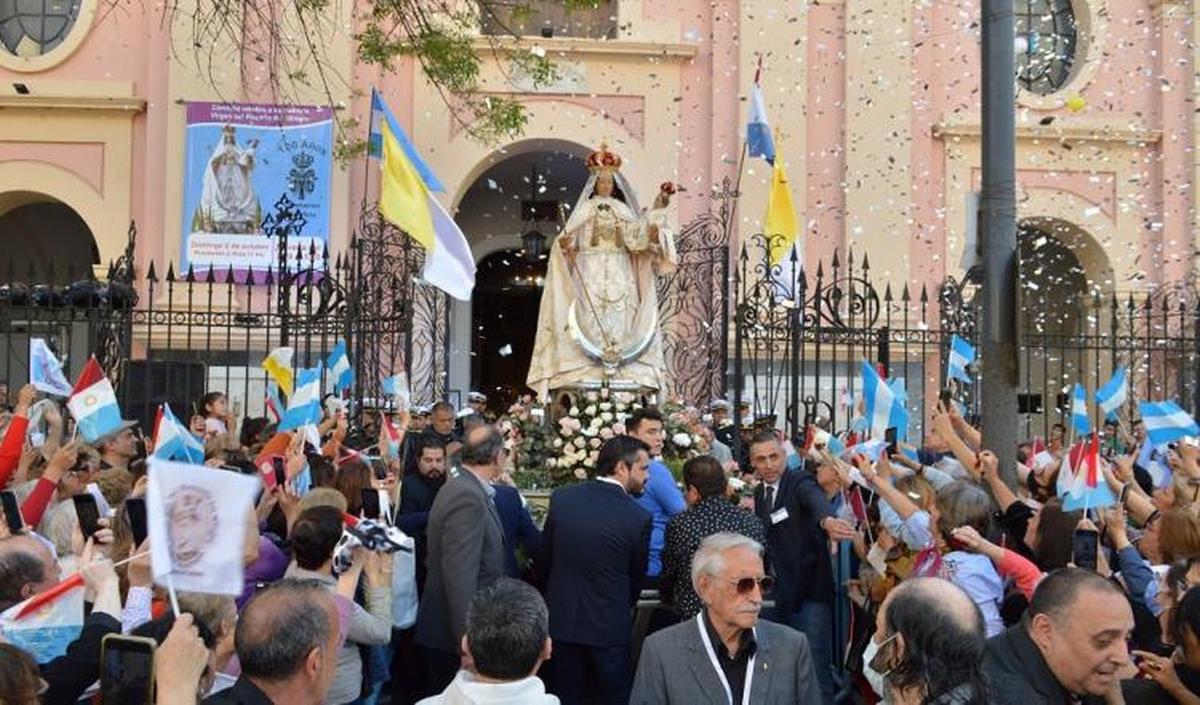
x=770 y=498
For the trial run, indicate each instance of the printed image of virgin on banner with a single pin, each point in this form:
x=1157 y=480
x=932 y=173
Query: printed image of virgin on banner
x=240 y=159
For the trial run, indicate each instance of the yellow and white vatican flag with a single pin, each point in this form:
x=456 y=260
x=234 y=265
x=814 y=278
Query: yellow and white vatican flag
x=406 y=201
x=783 y=233
x=278 y=365
x=197 y=518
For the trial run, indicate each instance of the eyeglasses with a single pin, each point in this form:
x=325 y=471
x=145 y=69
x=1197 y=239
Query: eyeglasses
x=746 y=585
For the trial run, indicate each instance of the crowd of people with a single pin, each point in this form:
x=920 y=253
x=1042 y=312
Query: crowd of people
x=722 y=585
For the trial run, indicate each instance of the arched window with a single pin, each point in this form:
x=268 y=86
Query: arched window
x=35 y=27
x=1046 y=42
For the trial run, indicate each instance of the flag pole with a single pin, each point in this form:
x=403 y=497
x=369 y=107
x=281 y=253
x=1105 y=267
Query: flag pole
x=367 y=156
x=171 y=593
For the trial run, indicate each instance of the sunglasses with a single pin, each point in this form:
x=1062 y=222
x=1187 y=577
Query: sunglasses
x=745 y=585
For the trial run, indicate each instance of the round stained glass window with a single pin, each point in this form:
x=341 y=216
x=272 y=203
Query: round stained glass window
x=1046 y=42
x=35 y=27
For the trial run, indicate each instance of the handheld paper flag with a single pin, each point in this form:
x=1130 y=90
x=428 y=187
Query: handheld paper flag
x=45 y=371
x=1166 y=422
x=1112 y=396
x=278 y=365
x=304 y=406
x=197 y=519
x=45 y=624
x=1079 y=411
x=173 y=440
x=962 y=354
x=93 y=403
x=878 y=399
x=339 y=368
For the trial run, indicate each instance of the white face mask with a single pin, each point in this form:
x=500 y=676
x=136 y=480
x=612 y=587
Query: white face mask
x=875 y=678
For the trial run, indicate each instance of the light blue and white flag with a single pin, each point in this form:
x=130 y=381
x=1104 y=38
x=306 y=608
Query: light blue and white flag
x=304 y=406
x=1166 y=422
x=1079 y=411
x=339 y=368
x=45 y=370
x=898 y=418
x=173 y=440
x=878 y=400
x=759 y=142
x=396 y=389
x=93 y=403
x=962 y=354
x=1112 y=396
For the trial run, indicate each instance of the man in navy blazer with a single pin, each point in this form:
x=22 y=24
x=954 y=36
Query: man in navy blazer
x=518 y=526
x=799 y=525
x=595 y=547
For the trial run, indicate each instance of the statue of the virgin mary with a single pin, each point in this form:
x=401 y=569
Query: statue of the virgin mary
x=599 y=314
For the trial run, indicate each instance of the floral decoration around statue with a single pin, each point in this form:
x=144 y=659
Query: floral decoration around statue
x=552 y=453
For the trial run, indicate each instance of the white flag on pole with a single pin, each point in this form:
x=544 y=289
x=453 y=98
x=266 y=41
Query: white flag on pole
x=197 y=519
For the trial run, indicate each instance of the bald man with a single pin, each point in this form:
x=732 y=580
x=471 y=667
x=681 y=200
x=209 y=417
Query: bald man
x=287 y=642
x=27 y=567
x=929 y=640
x=465 y=552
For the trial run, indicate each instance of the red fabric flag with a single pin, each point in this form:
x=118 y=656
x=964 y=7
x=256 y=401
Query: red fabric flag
x=158 y=417
x=810 y=435
x=857 y=505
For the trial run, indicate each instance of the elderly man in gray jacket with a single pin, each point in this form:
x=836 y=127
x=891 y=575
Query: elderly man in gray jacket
x=726 y=656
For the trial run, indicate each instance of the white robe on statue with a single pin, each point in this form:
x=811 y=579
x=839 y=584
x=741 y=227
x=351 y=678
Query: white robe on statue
x=612 y=287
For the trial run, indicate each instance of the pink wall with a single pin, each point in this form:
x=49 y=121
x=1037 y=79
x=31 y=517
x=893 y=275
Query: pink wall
x=825 y=202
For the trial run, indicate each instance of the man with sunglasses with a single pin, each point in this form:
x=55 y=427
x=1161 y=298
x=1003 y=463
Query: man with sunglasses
x=725 y=650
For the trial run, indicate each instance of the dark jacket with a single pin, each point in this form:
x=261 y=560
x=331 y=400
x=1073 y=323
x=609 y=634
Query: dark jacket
x=417 y=493
x=69 y=675
x=685 y=532
x=518 y=527
x=243 y=692
x=466 y=552
x=1018 y=675
x=797 y=547
x=595 y=547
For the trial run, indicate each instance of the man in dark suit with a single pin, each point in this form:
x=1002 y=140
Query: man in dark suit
x=417 y=492
x=799 y=524
x=595 y=548
x=466 y=552
x=519 y=529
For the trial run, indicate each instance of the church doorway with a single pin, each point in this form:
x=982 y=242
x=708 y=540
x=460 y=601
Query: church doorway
x=508 y=292
x=44 y=241
x=511 y=213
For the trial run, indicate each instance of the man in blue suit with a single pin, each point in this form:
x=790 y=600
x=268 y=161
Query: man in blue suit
x=661 y=496
x=799 y=524
x=594 y=547
x=518 y=526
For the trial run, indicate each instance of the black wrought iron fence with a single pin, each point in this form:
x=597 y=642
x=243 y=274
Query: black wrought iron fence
x=171 y=336
x=801 y=334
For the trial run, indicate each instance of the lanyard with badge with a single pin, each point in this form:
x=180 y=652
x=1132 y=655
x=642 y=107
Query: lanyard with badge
x=712 y=656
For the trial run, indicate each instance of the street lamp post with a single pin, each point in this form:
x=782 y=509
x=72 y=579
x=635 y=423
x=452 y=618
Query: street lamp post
x=998 y=235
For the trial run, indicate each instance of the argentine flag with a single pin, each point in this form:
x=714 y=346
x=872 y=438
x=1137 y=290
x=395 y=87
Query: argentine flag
x=1166 y=422
x=1112 y=396
x=962 y=354
x=93 y=403
x=304 y=406
x=759 y=142
x=339 y=368
x=1079 y=411
x=173 y=441
x=878 y=399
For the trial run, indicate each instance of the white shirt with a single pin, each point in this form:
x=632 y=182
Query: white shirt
x=612 y=481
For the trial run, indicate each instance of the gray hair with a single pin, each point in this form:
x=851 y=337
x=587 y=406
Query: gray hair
x=710 y=557
x=482 y=447
x=281 y=626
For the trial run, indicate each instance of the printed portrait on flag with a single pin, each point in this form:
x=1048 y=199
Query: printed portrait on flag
x=240 y=159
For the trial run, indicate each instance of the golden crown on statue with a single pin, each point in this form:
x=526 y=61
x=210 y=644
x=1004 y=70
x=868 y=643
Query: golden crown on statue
x=603 y=161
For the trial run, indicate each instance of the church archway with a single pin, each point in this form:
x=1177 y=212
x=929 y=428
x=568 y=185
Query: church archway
x=43 y=240
x=528 y=186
